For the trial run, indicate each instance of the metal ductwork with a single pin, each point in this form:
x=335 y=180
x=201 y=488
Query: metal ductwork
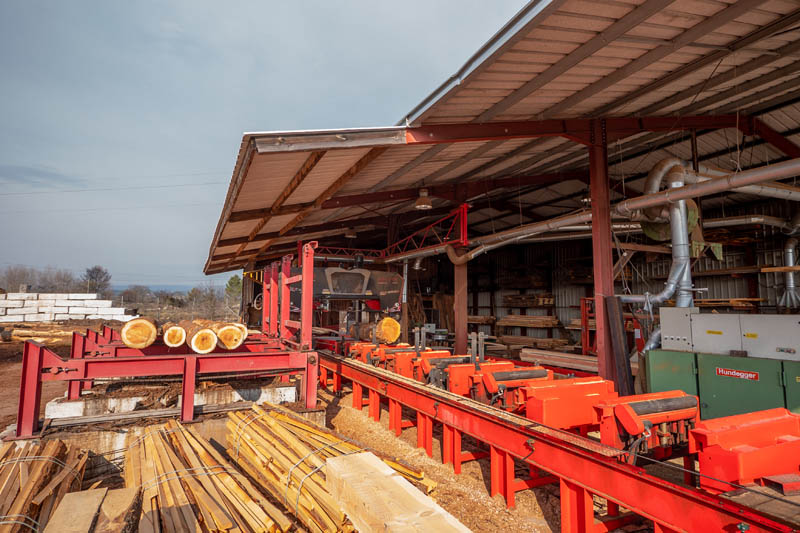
x=790 y=298
x=679 y=278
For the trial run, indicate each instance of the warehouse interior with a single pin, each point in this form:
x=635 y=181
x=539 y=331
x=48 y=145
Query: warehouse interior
x=559 y=294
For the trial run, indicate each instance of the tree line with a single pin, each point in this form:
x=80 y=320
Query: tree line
x=204 y=300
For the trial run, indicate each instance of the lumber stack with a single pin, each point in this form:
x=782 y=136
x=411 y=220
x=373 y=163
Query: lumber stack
x=34 y=479
x=480 y=319
x=543 y=343
x=47 y=307
x=188 y=486
x=586 y=363
x=97 y=511
x=528 y=300
x=528 y=321
x=287 y=456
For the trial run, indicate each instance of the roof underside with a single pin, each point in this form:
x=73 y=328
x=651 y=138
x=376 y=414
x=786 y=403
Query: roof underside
x=555 y=59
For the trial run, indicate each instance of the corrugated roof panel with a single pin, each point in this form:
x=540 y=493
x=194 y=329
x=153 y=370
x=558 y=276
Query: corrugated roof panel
x=332 y=165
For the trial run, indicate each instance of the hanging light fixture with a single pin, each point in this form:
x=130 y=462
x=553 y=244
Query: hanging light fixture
x=424 y=201
x=350 y=234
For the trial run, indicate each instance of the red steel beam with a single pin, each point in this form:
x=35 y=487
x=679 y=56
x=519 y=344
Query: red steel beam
x=578 y=130
x=579 y=461
x=601 y=246
x=774 y=138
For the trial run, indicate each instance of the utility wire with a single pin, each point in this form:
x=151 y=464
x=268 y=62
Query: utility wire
x=105 y=189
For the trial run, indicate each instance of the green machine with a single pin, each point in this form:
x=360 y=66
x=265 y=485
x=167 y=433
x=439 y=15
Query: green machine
x=734 y=363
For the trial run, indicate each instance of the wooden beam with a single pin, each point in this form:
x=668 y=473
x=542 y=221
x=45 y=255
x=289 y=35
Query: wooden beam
x=795 y=268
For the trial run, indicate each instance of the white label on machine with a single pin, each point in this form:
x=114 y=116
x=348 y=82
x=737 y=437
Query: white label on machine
x=741 y=374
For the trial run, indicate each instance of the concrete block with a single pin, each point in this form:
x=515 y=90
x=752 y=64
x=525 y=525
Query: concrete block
x=45 y=317
x=84 y=296
x=2 y=296
x=46 y=296
x=63 y=302
x=36 y=317
x=110 y=311
x=62 y=316
x=99 y=303
x=18 y=311
x=83 y=310
x=2 y=311
x=125 y=318
x=21 y=296
x=12 y=318
x=53 y=309
x=11 y=303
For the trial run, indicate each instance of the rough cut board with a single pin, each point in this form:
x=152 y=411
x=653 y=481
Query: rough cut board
x=77 y=512
x=378 y=499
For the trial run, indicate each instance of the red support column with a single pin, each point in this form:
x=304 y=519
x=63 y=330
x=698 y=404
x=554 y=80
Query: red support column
x=265 y=299
x=509 y=477
x=457 y=455
x=358 y=395
x=274 y=293
x=460 y=308
x=30 y=390
x=601 y=245
x=447 y=444
x=310 y=378
x=396 y=417
x=425 y=433
x=374 y=405
x=496 y=471
x=307 y=295
x=577 y=510
x=78 y=347
x=286 y=304
x=189 y=380
x=337 y=382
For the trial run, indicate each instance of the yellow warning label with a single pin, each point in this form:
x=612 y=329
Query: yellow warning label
x=797 y=379
x=751 y=335
x=713 y=332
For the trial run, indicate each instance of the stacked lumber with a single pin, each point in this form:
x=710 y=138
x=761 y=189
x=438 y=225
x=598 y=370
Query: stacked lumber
x=47 y=307
x=287 y=456
x=480 y=319
x=33 y=480
x=188 y=486
x=575 y=323
x=543 y=343
x=528 y=300
x=586 y=363
x=528 y=321
x=443 y=304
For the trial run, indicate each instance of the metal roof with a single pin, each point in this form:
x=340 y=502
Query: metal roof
x=556 y=59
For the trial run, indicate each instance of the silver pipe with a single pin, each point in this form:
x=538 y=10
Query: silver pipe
x=653 y=342
x=754 y=176
x=790 y=299
x=680 y=275
x=745 y=220
x=780 y=191
x=626 y=208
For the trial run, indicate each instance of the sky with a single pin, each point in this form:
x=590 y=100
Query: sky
x=120 y=122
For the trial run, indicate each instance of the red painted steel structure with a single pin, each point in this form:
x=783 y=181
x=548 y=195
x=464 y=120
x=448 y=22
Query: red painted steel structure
x=582 y=467
x=103 y=355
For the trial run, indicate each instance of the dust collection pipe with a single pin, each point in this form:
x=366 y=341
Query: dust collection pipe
x=626 y=208
x=790 y=299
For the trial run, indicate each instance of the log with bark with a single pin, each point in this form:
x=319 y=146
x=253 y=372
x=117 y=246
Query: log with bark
x=174 y=335
x=229 y=335
x=139 y=332
x=201 y=339
x=387 y=331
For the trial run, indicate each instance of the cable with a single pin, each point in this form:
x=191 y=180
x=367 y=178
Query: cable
x=104 y=189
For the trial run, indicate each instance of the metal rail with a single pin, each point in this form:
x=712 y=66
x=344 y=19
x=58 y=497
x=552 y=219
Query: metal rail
x=582 y=467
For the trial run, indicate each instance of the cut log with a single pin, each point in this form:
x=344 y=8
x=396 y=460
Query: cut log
x=139 y=333
x=200 y=339
x=174 y=335
x=387 y=331
x=229 y=335
x=242 y=327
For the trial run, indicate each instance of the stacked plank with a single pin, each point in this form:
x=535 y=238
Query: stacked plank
x=188 y=486
x=287 y=456
x=528 y=300
x=480 y=319
x=34 y=479
x=543 y=343
x=586 y=363
x=528 y=321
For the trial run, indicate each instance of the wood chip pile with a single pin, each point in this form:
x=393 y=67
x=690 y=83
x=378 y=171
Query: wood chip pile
x=188 y=486
x=34 y=479
x=287 y=456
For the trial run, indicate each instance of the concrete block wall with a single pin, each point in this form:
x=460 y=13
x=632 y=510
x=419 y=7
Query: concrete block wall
x=45 y=307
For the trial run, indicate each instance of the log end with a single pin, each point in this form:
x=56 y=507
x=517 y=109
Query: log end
x=174 y=336
x=203 y=341
x=230 y=337
x=139 y=333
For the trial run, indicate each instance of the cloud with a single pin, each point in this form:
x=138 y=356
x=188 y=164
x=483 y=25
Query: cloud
x=37 y=176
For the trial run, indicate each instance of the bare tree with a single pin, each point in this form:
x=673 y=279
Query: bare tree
x=97 y=279
x=11 y=277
